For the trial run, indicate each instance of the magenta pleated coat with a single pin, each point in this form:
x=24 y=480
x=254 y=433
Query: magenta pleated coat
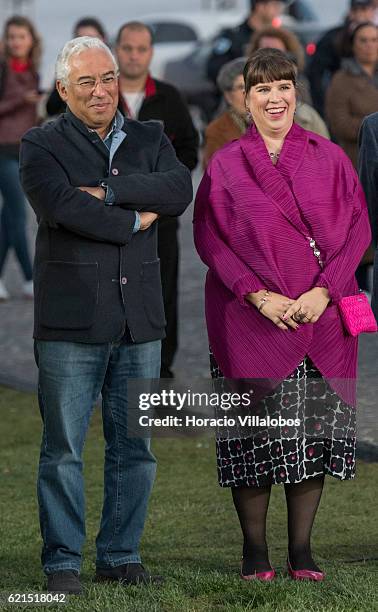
x=252 y=224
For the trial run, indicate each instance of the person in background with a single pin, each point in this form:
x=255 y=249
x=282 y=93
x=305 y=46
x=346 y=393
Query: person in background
x=234 y=121
x=368 y=171
x=142 y=97
x=279 y=38
x=90 y=26
x=279 y=260
x=353 y=91
x=19 y=98
x=353 y=94
x=232 y=43
x=330 y=51
x=86 y=26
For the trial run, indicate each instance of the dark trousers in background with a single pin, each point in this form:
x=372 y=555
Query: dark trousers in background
x=13 y=216
x=168 y=250
x=362 y=277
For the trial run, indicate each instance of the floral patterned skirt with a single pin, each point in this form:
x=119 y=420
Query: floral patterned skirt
x=323 y=443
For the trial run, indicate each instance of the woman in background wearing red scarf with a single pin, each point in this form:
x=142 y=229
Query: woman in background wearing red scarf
x=18 y=113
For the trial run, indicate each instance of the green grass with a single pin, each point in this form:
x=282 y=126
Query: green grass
x=192 y=534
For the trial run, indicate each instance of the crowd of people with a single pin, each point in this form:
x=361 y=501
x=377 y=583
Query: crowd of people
x=280 y=220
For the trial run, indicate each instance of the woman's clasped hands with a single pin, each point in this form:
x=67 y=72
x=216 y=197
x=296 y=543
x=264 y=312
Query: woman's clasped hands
x=288 y=313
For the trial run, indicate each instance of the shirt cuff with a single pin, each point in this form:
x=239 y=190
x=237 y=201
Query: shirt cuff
x=136 y=227
x=246 y=284
x=109 y=199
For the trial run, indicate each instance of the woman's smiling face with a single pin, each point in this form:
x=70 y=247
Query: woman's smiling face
x=272 y=106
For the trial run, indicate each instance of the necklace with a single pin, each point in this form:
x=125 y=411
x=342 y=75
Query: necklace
x=274 y=157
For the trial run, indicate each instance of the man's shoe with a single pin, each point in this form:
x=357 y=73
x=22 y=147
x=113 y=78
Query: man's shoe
x=129 y=573
x=65 y=581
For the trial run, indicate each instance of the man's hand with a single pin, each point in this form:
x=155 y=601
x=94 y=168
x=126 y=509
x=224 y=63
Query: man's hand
x=273 y=308
x=97 y=192
x=147 y=219
x=309 y=307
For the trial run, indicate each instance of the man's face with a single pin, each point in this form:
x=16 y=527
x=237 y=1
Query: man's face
x=92 y=90
x=134 y=53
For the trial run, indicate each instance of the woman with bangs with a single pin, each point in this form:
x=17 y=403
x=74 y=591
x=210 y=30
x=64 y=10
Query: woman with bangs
x=281 y=222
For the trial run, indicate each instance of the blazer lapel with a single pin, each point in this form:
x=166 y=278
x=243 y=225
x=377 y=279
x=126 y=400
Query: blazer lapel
x=275 y=180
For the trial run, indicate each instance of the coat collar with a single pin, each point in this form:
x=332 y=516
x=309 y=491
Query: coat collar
x=275 y=180
x=117 y=125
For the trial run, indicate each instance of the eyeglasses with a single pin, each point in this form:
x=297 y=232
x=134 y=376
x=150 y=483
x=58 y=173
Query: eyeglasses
x=91 y=84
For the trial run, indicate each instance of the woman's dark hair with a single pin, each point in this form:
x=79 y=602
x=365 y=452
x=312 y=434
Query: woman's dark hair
x=90 y=22
x=357 y=27
x=346 y=40
x=268 y=65
x=36 y=49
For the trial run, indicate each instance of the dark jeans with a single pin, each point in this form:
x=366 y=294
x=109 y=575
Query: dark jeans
x=13 y=216
x=71 y=377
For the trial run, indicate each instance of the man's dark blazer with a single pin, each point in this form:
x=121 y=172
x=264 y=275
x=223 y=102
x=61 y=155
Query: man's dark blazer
x=92 y=275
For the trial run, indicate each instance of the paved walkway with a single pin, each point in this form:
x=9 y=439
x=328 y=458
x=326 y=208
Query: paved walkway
x=17 y=368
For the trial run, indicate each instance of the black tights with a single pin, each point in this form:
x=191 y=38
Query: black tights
x=302 y=501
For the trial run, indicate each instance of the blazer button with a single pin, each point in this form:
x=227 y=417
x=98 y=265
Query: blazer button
x=123 y=280
x=115 y=171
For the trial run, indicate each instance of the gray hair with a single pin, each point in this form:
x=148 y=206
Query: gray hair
x=229 y=72
x=74 y=47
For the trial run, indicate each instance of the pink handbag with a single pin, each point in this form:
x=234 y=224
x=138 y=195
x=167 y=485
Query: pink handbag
x=357 y=315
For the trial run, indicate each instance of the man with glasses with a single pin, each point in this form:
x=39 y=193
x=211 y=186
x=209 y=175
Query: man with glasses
x=97 y=183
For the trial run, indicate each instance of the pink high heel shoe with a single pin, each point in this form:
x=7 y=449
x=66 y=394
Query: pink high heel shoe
x=304 y=574
x=264 y=576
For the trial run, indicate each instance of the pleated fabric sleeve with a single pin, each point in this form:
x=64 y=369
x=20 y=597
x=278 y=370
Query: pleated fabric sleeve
x=342 y=266
x=213 y=250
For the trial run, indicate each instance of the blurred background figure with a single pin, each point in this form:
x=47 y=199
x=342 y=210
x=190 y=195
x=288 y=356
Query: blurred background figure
x=19 y=98
x=90 y=26
x=86 y=26
x=353 y=91
x=143 y=97
x=233 y=122
x=231 y=43
x=353 y=94
x=331 y=49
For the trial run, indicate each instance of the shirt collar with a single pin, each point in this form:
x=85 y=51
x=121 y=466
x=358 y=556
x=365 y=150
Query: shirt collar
x=116 y=126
